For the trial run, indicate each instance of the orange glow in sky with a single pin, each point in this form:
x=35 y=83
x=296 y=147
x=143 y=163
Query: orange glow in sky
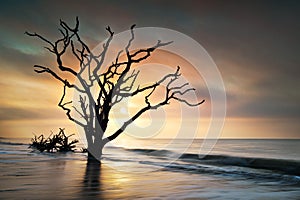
x=255 y=47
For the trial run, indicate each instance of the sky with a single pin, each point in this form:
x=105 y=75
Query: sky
x=255 y=45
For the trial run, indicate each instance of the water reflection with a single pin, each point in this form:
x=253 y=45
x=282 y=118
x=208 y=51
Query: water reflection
x=101 y=182
x=92 y=186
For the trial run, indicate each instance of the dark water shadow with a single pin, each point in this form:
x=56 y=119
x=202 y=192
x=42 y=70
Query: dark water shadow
x=91 y=184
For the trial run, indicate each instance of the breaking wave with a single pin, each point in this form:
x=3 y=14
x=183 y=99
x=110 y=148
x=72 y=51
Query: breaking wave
x=190 y=161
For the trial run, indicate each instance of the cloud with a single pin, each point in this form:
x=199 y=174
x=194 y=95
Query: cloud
x=255 y=46
x=13 y=113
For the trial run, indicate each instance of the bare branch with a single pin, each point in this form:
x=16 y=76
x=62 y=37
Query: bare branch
x=187 y=103
x=182 y=92
x=99 y=60
x=40 y=37
x=109 y=30
x=147 y=97
x=147 y=51
x=66 y=41
x=41 y=69
x=68 y=110
x=139 y=90
x=170 y=92
x=130 y=41
x=79 y=112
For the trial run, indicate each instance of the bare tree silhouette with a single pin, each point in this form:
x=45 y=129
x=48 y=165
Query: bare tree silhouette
x=115 y=84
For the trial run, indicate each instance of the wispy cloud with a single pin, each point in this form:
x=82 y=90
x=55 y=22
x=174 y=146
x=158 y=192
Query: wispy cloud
x=254 y=44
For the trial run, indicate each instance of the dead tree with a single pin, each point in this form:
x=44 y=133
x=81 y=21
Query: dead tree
x=113 y=85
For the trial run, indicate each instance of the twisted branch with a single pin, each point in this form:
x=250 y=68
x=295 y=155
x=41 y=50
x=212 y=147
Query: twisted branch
x=113 y=85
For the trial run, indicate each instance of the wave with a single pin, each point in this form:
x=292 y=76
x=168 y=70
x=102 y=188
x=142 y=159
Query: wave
x=12 y=143
x=228 y=171
x=290 y=167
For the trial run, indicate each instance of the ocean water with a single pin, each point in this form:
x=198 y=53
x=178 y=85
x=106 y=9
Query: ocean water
x=154 y=169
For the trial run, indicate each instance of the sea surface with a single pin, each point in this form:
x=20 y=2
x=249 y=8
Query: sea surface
x=154 y=169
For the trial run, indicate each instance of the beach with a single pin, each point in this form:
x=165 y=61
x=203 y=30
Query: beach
x=149 y=174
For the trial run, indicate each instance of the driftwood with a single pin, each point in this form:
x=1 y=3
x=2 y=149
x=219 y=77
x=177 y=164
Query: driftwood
x=54 y=143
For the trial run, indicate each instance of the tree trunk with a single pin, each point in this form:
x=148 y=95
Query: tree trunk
x=95 y=150
x=92 y=159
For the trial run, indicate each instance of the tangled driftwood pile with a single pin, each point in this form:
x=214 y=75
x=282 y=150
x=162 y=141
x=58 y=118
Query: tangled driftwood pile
x=54 y=143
